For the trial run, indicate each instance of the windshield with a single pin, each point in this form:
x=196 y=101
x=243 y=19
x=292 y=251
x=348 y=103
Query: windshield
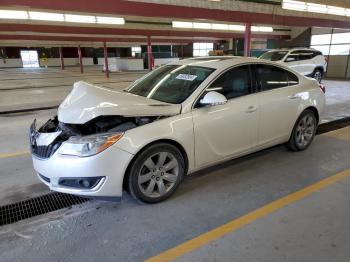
x=274 y=55
x=172 y=83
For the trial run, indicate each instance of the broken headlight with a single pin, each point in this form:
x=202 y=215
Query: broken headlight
x=88 y=145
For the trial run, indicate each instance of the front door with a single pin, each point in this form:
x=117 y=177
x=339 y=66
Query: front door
x=224 y=131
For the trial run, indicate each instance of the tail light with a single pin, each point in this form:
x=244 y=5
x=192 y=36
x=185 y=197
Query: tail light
x=323 y=87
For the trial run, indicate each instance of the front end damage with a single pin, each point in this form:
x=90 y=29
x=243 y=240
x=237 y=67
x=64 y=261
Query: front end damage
x=45 y=141
x=73 y=152
x=97 y=175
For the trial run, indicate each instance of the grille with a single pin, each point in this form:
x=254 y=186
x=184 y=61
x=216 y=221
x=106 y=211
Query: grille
x=37 y=206
x=45 y=151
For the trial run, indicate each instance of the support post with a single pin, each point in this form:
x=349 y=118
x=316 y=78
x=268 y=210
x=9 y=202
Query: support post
x=105 y=52
x=149 y=53
x=247 y=39
x=61 y=58
x=80 y=59
x=182 y=51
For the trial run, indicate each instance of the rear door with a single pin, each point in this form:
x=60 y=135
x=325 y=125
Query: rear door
x=278 y=103
x=292 y=60
x=306 y=62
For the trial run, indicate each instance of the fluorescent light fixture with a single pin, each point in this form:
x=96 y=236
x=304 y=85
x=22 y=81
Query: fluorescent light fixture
x=228 y=27
x=332 y=10
x=236 y=27
x=266 y=29
x=202 y=25
x=220 y=26
x=80 y=18
x=110 y=20
x=46 y=16
x=315 y=8
x=294 y=5
x=13 y=14
x=181 y=24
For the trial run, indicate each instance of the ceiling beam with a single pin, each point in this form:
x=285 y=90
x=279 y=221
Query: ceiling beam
x=127 y=32
x=132 y=8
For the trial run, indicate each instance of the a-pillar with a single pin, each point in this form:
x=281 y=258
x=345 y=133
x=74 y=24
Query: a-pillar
x=247 y=39
x=80 y=59
x=105 y=52
x=61 y=58
x=149 y=53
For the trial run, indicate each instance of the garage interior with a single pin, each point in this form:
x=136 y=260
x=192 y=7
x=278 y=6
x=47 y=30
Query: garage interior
x=273 y=205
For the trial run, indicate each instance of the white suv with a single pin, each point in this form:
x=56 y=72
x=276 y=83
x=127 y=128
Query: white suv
x=306 y=61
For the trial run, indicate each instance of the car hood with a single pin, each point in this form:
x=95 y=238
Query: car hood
x=87 y=101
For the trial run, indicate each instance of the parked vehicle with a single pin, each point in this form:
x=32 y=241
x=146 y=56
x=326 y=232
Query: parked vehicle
x=176 y=120
x=308 y=62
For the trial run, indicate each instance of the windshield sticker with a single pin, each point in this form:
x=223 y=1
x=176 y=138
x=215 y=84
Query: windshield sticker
x=186 y=77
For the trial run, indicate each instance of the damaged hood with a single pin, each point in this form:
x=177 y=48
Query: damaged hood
x=87 y=101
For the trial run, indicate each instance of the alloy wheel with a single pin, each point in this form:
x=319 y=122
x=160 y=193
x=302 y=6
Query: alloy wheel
x=158 y=174
x=305 y=131
x=318 y=76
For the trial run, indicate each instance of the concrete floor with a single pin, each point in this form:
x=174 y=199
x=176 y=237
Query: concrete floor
x=130 y=231
x=313 y=229
x=35 y=88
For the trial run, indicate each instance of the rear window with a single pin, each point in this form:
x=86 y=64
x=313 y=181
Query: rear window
x=274 y=55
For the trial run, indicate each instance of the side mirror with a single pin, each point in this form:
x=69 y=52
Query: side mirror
x=290 y=59
x=213 y=98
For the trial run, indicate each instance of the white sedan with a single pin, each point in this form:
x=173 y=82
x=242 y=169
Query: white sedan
x=175 y=120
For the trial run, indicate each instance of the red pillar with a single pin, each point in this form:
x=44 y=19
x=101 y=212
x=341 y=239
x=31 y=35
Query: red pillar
x=80 y=59
x=149 y=53
x=61 y=58
x=105 y=52
x=247 y=39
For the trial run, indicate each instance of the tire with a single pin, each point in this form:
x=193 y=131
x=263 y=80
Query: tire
x=156 y=173
x=303 y=132
x=318 y=74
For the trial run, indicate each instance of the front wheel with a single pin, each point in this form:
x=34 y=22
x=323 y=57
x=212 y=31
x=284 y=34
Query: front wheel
x=303 y=132
x=156 y=173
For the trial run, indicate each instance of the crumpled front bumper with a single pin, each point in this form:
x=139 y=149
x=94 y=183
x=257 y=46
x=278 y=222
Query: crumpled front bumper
x=111 y=164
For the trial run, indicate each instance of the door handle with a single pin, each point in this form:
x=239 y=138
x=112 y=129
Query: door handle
x=293 y=96
x=251 y=109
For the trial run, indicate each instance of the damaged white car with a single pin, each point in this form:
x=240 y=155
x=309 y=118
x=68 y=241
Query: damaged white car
x=175 y=120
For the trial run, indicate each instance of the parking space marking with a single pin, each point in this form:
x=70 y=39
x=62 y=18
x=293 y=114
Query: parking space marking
x=235 y=224
x=343 y=134
x=15 y=154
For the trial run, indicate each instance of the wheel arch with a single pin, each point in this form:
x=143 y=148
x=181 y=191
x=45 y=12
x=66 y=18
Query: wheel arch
x=318 y=68
x=166 y=141
x=314 y=110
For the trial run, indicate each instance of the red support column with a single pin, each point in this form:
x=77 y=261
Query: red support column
x=247 y=39
x=149 y=53
x=61 y=58
x=80 y=59
x=105 y=52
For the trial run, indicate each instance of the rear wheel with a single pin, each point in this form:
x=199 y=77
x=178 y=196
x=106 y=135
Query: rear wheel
x=318 y=74
x=156 y=173
x=303 y=132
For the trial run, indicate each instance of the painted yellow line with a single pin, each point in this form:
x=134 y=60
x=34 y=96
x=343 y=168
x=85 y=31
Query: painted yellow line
x=15 y=154
x=235 y=224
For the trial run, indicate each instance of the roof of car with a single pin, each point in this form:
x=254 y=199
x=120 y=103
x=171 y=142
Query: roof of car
x=293 y=49
x=217 y=61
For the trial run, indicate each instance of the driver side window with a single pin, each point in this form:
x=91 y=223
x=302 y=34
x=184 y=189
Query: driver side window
x=233 y=83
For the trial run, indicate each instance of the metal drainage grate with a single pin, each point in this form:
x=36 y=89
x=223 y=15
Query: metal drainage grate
x=37 y=206
x=333 y=125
